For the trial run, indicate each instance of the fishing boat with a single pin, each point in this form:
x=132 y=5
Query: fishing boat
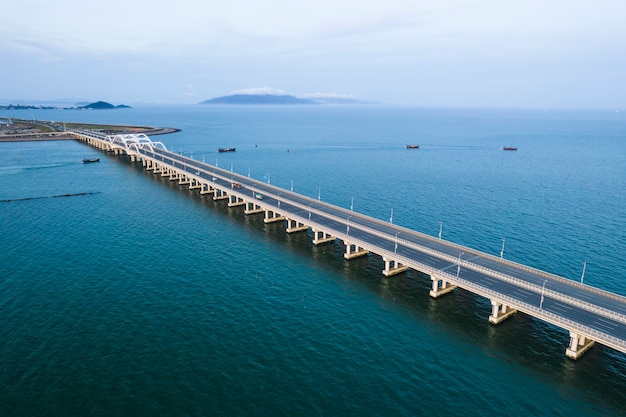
x=227 y=149
x=87 y=161
x=412 y=146
x=508 y=148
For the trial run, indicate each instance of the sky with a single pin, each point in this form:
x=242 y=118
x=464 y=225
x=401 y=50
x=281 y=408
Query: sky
x=451 y=53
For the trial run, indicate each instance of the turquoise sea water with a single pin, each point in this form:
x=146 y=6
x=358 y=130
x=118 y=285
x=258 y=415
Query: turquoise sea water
x=144 y=298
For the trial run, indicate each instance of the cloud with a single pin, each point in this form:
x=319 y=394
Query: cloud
x=260 y=91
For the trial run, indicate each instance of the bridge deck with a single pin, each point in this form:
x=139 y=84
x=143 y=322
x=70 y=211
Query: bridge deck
x=587 y=312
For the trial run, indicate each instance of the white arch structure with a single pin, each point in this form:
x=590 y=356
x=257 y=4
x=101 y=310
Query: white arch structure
x=135 y=142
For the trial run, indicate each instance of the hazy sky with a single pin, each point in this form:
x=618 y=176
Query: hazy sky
x=513 y=53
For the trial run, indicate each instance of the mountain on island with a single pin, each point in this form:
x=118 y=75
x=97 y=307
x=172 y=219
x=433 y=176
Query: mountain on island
x=264 y=95
x=101 y=105
x=267 y=95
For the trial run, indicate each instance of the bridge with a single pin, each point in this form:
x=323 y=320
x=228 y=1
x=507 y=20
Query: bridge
x=591 y=315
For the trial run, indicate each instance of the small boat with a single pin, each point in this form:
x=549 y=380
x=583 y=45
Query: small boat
x=87 y=161
x=412 y=146
x=227 y=149
x=508 y=148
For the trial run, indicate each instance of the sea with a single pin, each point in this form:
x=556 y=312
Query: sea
x=125 y=294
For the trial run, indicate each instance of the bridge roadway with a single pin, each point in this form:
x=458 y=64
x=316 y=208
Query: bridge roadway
x=590 y=314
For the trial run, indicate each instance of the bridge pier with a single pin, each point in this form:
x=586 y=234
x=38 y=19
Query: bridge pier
x=578 y=345
x=234 y=201
x=183 y=179
x=353 y=250
x=195 y=184
x=320 y=236
x=219 y=194
x=500 y=312
x=393 y=267
x=272 y=216
x=206 y=188
x=252 y=208
x=440 y=287
x=295 y=226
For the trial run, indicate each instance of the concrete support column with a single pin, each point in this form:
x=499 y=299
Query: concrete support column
x=195 y=184
x=320 y=236
x=219 y=194
x=500 y=312
x=184 y=179
x=206 y=188
x=234 y=200
x=295 y=226
x=272 y=216
x=393 y=267
x=252 y=208
x=440 y=287
x=353 y=250
x=578 y=345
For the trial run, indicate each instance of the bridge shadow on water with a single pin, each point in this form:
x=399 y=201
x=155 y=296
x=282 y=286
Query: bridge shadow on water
x=520 y=342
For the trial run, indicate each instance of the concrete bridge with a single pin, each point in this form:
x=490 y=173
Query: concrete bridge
x=591 y=315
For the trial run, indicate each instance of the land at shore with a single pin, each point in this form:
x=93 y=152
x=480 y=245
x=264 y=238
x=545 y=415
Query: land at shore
x=20 y=130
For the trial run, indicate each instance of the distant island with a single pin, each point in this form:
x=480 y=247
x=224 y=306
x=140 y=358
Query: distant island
x=101 y=105
x=267 y=95
x=98 y=105
x=258 y=99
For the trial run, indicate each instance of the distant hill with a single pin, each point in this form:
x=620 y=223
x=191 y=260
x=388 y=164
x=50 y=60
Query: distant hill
x=258 y=99
x=101 y=105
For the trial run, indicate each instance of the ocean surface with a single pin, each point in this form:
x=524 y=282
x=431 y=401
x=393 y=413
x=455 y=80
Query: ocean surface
x=139 y=297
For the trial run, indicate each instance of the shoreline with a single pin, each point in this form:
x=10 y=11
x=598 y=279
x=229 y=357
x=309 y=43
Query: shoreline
x=41 y=130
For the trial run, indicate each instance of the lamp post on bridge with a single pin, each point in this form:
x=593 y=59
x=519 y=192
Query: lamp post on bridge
x=458 y=268
x=319 y=193
x=502 y=251
x=352 y=204
x=543 y=288
x=310 y=210
x=348 y=225
x=582 y=277
x=391 y=217
x=395 y=248
x=440 y=228
x=291 y=186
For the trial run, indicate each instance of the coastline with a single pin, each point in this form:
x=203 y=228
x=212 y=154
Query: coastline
x=41 y=130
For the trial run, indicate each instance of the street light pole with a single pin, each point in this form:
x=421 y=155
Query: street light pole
x=543 y=288
x=582 y=277
x=440 y=228
x=348 y=225
x=395 y=249
x=391 y=217
x=458 y=268
x=502 y=251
